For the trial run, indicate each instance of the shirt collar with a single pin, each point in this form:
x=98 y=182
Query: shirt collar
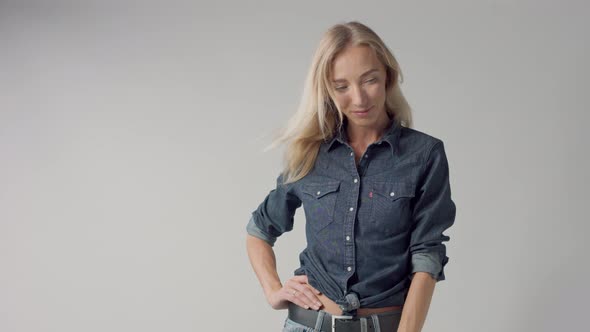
x=390 y=136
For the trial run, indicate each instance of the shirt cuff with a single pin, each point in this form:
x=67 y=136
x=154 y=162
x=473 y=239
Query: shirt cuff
x=254 y=230
x=427 y=262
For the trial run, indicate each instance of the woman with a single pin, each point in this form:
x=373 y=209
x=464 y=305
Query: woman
x=375 y=193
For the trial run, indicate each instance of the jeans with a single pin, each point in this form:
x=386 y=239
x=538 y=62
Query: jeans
x=291 y=326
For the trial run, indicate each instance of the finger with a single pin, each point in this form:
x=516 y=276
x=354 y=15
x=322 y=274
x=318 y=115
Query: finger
x=306 y=295
x=298 y=281
x=294 y=296
x=301 y=304
x=295 y=293
x=303 y=279
x=300 y=278
x=314 y=290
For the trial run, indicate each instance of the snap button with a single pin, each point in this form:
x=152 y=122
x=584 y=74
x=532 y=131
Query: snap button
x=391 y=194
x=320 y=192
x=352 y=302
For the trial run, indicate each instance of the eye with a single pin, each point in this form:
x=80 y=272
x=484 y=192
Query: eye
x=342 y=88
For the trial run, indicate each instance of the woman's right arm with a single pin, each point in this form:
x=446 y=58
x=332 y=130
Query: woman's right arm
x=263 y=262
x=273 y=217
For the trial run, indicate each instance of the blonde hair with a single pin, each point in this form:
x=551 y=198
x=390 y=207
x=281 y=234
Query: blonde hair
x=317 y=118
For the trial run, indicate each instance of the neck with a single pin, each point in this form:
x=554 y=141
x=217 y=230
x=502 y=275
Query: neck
x=367 y=135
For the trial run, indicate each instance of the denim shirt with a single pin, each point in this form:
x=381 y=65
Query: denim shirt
x=370 y=226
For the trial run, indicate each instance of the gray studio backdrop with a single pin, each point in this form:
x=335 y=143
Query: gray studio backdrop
x=131 y=139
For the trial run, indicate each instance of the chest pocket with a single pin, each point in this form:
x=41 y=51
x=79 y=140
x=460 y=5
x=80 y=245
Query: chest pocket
x=319 y=202
x=391 y=210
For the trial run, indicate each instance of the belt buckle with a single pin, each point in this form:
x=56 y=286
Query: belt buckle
x=334 y=317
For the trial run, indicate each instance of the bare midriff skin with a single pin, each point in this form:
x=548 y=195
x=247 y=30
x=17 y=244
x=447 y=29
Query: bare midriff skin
x=332 y=307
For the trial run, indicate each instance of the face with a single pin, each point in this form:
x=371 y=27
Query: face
x=358 y=83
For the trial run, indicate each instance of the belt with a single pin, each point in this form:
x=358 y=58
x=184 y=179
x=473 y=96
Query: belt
x=333 y=323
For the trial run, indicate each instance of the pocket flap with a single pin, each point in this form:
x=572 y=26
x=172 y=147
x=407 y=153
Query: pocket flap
x=318 y=190
x=393 y=190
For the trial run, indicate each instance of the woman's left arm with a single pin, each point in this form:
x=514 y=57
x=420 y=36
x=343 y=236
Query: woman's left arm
x=434 y=212
x=417 y=302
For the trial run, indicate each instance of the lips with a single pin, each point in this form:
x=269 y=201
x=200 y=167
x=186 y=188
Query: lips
x=362 y=111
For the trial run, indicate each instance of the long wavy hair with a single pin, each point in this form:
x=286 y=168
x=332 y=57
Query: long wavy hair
x=317 y=118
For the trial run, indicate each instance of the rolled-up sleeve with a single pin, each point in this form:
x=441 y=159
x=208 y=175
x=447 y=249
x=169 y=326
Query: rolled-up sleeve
x=434 y=212
x=275 y=215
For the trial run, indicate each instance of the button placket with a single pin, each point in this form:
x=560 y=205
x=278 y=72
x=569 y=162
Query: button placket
x=355 y=180
x=349 y=261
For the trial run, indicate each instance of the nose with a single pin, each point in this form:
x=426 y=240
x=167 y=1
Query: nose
x=359 y=97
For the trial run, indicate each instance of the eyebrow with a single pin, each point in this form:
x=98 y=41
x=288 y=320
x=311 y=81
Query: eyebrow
x=364 y=74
